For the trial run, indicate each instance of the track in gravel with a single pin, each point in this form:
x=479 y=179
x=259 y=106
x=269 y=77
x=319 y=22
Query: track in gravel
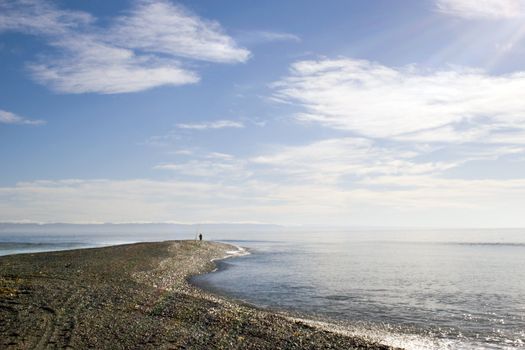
x=60 y=323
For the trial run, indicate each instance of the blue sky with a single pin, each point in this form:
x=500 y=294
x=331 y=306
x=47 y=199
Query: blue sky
x=406 y=113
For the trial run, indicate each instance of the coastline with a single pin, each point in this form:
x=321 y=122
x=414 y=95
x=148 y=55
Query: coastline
x=139 y=296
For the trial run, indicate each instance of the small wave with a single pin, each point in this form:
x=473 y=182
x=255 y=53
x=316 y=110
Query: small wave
x=230 y=241
x=235 y=253
x=11 y=248
x=452 y=243
x=337 y=297
x=395 y=336
x=487 y=244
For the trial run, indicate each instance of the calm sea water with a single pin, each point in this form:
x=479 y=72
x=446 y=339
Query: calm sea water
x=418 y=290
x=20 y=244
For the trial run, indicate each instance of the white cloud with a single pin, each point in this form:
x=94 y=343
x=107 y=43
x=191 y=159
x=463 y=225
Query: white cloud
x=11 y=118
x=102 y=200
x=340 y=162
x=344 y=162
x=482 y=9
x=205 y=168
x=90 y=66
x=144 y=49
x=264 y=36
x=404 y=103
x=160 y=26
x=220 y=155
x=40 y=17
x=218 y=124
x=183 y=152
x=417 y=200
x=328 y=161
x=354 y=180
x=222 y=167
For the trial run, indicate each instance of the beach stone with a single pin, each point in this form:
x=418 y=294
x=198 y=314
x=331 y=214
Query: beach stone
x=138 y=296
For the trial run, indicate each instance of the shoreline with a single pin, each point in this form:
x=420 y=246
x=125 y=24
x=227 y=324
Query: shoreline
x=139 y=296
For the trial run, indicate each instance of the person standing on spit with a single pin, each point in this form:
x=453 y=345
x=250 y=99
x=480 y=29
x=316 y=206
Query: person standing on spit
x=200 y=236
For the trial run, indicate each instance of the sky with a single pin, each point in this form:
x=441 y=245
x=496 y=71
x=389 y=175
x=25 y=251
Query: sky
x=300 y=112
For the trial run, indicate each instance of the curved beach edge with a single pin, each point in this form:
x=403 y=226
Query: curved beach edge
x=138 y=295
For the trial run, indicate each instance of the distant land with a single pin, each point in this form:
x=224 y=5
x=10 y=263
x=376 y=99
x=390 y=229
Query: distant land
x=113 y=233
x=66 y=228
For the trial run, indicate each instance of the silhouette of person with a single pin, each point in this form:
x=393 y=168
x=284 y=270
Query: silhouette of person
x=200 y=236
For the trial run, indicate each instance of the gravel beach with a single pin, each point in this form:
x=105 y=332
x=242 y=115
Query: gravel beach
x=137 y=296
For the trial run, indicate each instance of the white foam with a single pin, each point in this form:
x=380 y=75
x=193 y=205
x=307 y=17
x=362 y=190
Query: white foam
x=235 y=253
x=388 y=337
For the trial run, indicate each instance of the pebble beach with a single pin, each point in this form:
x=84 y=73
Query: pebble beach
x=137 y=296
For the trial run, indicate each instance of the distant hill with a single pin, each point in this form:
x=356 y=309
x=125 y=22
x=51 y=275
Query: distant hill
x=59 y=228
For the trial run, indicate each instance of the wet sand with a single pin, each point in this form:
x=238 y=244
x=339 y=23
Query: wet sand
x=137 y=296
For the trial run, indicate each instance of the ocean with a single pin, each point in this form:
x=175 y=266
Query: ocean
x=416 y=289
x=20 y=244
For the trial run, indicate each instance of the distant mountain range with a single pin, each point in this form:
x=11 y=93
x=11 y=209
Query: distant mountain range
x=59 y=228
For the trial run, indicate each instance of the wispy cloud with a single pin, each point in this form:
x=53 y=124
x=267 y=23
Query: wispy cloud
x=11 y=118
x=160 y=26
x=218 y=169
x=218 y=124
x=40 y=17
x=331 y=161
x=482 y=9
x=145 y=48
x=264 y=36
x=87 y=65
x=412 y=199
x=455 y=105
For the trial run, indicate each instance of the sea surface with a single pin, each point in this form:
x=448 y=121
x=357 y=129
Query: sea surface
x=416 y=289
x=16 y=244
